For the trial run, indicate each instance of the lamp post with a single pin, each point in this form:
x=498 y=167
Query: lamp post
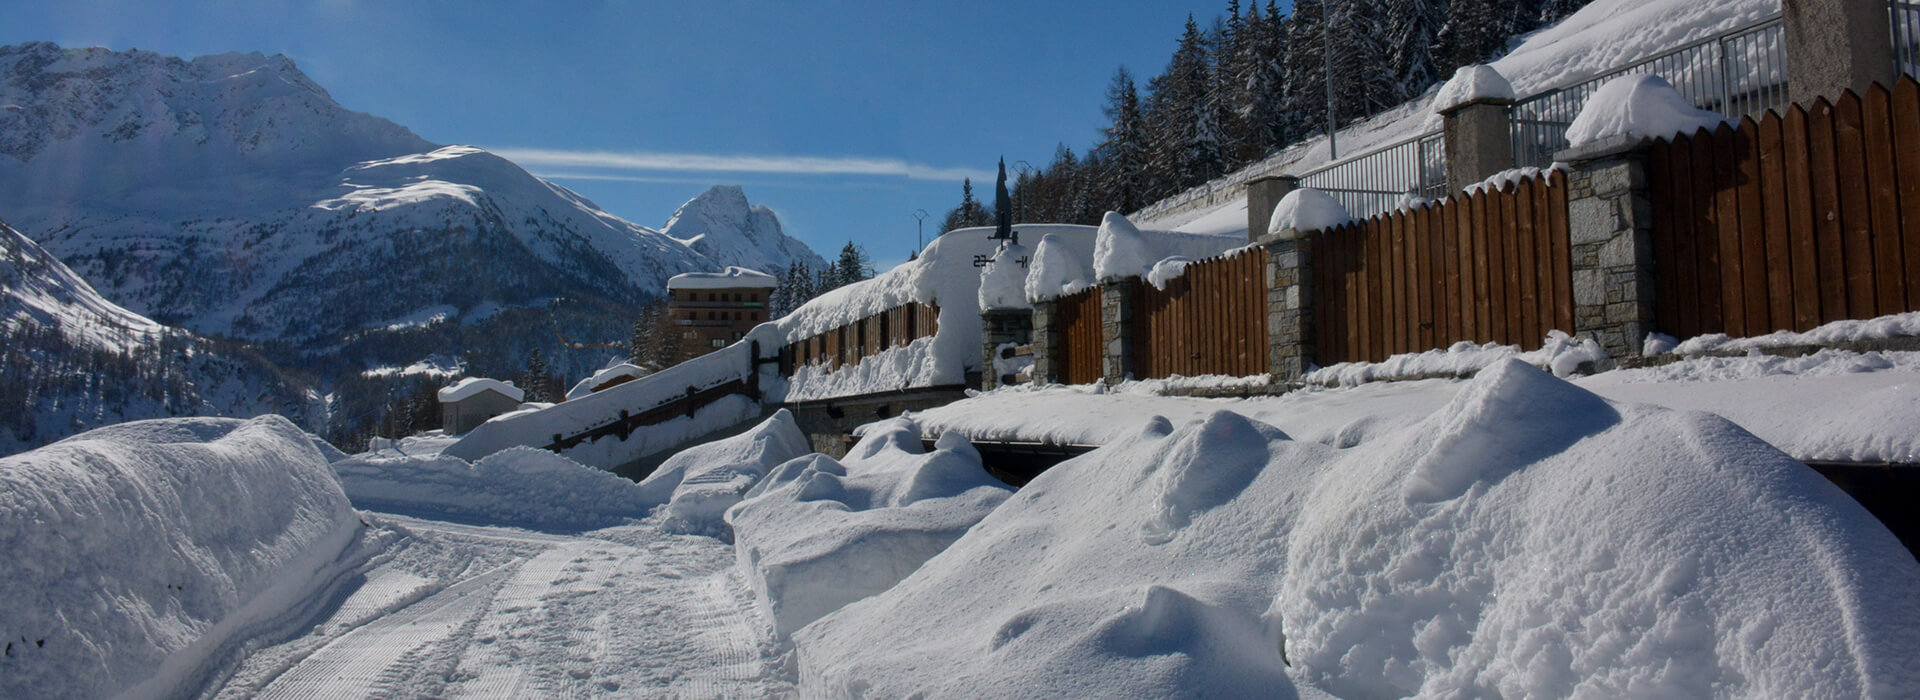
x=920 y=219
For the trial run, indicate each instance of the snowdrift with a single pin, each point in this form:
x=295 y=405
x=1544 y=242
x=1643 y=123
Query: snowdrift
x=1529 y=539
x=693 y=489
x=520 y=486
x=138 y=554
x=817 y=534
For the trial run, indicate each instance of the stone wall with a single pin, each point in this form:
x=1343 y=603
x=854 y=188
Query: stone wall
x=1610 y=226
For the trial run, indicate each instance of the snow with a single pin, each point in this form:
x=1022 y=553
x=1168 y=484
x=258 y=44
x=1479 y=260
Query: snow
x=1514 y=176
x=472 y=386
x=693 y=489
x=1472 y=84
x=1901 y=325
x=1003 y=280
x=1119 y=250
x=912 y=365
x=1056 y=272
x=818 y=533
x=1527 y=539
x=614 y=370
x=721 y=225
x=517 y=486
x=1560 y=354
x=140 y=555
x=1306 y=210
x=1168 y=270
x=732 y=278
x=1634 y=107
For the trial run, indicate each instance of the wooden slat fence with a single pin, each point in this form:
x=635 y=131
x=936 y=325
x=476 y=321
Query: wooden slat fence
x=1211 y=320
x=1080 y=345
x=1492 y=266
x=1791 y=221
x=847 y=345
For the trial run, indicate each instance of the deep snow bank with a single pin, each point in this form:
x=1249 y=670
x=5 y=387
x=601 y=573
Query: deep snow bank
x=693 y=489
x=1528 y=539
x=520 y=486
x=817 y=533
x=136 y=554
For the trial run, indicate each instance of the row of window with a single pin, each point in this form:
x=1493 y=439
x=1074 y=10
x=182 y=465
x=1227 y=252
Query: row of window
x=721 y=296
x=725 y=315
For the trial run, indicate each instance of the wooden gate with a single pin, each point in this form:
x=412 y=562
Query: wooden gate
x=1492 y=266
x=1080 y=344
x=1211 y=320
x=1791 y=221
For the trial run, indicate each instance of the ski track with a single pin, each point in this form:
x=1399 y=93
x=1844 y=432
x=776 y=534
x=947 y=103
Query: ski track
x=469 y=611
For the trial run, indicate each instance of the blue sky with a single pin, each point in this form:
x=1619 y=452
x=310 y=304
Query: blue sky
x=844 y=117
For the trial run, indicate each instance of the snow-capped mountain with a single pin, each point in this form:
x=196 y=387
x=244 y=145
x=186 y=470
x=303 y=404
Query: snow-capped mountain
x=231 y=195
x=71 y=360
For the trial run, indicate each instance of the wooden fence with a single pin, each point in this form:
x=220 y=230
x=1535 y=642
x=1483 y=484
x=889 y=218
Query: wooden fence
x=1492 y=266
x=1080 y=342
x=847 y=345
x=1790 y=222
x=1211 y=320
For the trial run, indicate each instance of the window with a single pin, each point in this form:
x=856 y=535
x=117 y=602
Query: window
x=719 y=342
x=693 y=315
x=710 y=296
x=755 y=298
x=736 y=297
x=756 y=316
x=710 y=316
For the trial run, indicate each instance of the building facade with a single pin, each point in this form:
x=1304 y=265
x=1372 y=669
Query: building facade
x=711 y=310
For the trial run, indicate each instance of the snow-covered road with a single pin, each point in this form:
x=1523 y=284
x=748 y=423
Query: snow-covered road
x=451 y=610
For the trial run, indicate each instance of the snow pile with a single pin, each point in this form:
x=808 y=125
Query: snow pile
x=694 y=488
x=1306 y=210
x=1119 y=249
x=1561 y=354
x=817 y=533
x=1472 y=84
x=1168 y=270
x=1056 y=272
x=519 y=486
x=1902 y=325
x=1527 y=540
x=1003 y=282
x=140 y=554
x=615 y=370
x=1634 y=107
x=472 y=386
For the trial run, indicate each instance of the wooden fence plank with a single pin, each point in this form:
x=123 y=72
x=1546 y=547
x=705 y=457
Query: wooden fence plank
x=1802 y=212
x=1433 y=331
x=1773 y=197
x=1686 y=246
x=1447 y=214
x=1660 y=195
x=1726 y=209
x=1562 y=253
x=1706 y=229
x=1889 y=262
x=1527 y=265
x=1856 y=220
x=1497 y=218
x=1905 y=112
x=1753 y=240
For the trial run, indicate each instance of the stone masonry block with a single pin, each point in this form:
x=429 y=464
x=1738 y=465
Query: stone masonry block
x=1592 y=220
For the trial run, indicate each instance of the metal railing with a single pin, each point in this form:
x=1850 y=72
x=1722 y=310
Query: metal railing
x=1740 y=72
x=1905 y=18
x=1382 y=179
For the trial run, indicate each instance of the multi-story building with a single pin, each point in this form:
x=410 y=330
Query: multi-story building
x=713 y=309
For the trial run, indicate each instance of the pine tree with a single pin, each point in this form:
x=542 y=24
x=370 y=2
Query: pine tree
x=1124 y=150
x=1413 y=26
x=534 y=382
x=852 y=266
x=1183 y=143
x=970 y=213
x=1305 y=70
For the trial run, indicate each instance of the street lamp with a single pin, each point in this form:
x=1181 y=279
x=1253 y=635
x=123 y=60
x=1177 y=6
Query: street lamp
x=920 y=218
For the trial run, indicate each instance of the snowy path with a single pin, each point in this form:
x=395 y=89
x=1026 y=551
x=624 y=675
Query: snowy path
x=455 y=610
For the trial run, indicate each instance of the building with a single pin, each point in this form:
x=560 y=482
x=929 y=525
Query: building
x=713 y=309
x=474 y=400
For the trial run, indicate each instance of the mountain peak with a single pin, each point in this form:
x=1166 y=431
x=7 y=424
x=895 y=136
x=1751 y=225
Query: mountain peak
x=722 y=224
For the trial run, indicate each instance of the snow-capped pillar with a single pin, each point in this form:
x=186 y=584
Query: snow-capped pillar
x=999 y=327
x=1836 y=45
x=1290 y=330
x=1479 y=140
x=1263 y=194
x=1610 y=224
x=1046 y=342
x=1116 y=332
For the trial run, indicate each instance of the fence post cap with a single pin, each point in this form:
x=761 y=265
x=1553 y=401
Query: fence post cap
x=1281 y=236
x=1604 y=148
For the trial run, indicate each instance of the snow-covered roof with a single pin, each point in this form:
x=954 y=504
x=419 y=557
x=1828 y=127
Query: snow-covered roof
x=733 y=278
x=472 y=386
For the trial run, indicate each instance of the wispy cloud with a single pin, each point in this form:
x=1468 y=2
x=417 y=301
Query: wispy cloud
x=634 y=161
x=694 y=179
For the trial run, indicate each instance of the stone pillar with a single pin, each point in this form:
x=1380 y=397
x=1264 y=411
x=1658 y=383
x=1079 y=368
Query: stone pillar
x=1116 y=332
x=1610 y=224
x=1263 y=194
x=1290 y=323
x=1046 y=342
x=999 y=327
x=1836 y=45
x=1479 y=141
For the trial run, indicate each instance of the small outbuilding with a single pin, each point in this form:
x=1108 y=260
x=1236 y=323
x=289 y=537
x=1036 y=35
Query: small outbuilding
x=474 y=400
x=606 y=379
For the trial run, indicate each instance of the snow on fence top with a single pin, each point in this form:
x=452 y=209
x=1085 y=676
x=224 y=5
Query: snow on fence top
x=733 y=278
x=1637 y=107
x=1056 y=271
x=1120 y=250
x=472 y=386
x=1472 y=84
x=1003 y=282
x=1305 y=210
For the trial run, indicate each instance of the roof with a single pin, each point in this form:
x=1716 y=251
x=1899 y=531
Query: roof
x=473 y=386
x=733 y=278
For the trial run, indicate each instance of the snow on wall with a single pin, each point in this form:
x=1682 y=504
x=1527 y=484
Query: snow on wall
x=1473 y=84
x=817 y=533
x=1120 y=250
x=138 y=554
x=519 y=486
x=1003 y=281
x=1528 y=539
x=1056 y=272
x=1637 y=107
x=1305 y=210
x=912 y=365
